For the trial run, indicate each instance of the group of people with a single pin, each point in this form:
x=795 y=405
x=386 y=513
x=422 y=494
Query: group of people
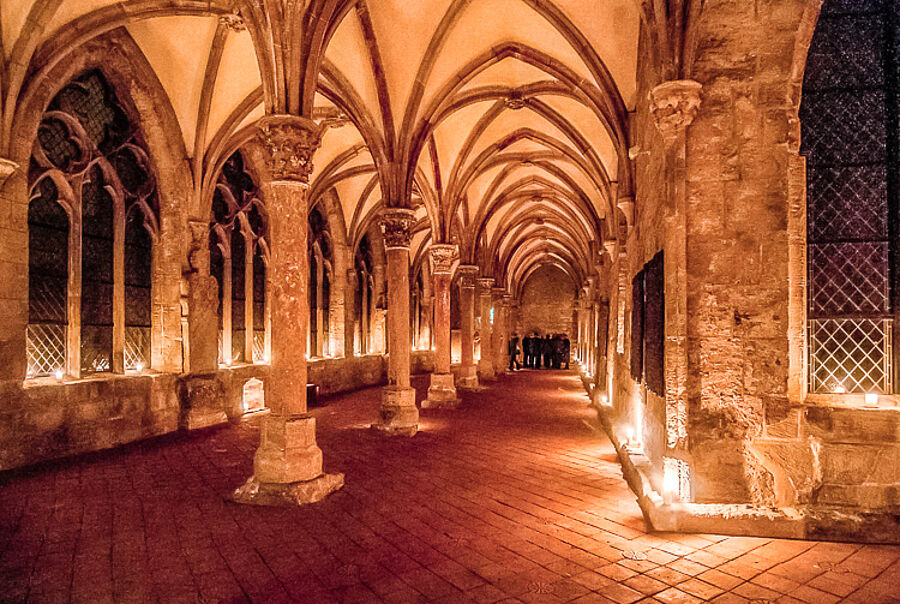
x=552 y=351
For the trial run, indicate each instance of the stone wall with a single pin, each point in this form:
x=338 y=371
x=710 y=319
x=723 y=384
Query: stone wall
x=729 y=214
x=547 y=303
x=46 y=419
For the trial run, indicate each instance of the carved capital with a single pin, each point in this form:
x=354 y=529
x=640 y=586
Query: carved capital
x=609 y=246
x=396 y=227
x=467 y=275
x=442 y=257
x=498 y=293
x=626 y=204
x=674 y=105
x=486 y=284
x=7 y=168
x=288 y=143
x=508 y=300
x=234 y=22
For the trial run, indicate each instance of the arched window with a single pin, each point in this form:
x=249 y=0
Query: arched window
x=320 y=278
x=93 y=218
x=849 y=122
x=363 y=302
x=238 y=255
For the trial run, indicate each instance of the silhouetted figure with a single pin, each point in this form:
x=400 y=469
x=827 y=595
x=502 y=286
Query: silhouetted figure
x=566 y=350
x=512 y=349
x=547 y=351
x=526 y=351
x=557 y=351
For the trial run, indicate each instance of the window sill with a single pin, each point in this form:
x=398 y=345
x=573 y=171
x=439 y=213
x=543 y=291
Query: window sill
x=44 y=381
x=886 y=402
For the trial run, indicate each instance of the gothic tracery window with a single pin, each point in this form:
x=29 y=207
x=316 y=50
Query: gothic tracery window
x=320 y=280
x=850 y=128
x=238 y=257
x=363 y=302
x=93 y=217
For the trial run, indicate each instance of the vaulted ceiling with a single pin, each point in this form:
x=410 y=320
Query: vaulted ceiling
x=503 y=122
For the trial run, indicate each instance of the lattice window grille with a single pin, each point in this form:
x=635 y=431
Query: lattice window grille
x=137 y=345
x=849 y=278
x=677 y=478
x=259 y=346
x=94 y=360
x=850 y=356
x=46 y=349
x=237 y=345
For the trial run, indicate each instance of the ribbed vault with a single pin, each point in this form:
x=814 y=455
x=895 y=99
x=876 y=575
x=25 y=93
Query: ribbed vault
x=503 y=123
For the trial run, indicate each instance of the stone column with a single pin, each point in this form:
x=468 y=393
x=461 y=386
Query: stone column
x=350 y=313
x=486 y=362
x=442 y=391
x=468 y=375
x=14 y=266
x=426 y=332
x=501 y=361
x=674 y=105
x=399 y=415
x=287 y=468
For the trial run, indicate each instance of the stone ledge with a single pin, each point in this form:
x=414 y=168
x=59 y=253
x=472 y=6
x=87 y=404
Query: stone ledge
x=808 y=522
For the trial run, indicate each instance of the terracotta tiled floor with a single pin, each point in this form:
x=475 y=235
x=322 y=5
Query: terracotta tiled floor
x=512 y=496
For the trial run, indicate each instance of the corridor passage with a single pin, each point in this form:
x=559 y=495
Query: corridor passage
x=514 y=496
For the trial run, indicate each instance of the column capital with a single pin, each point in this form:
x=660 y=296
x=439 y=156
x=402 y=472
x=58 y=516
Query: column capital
x=674 y=104
x=486 y=283
x=288 y=143
x=609 y=246
x=626 y=204
x=442 y=257
x=507 y=300
x=467 y=275
x=498 y=292
x=396 y=227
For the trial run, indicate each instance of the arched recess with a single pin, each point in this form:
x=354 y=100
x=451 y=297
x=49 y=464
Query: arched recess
x=363 y=296
x=849 y=139
x=339 y=333
x=239 y=255
x=321 y=280
x=142 y=99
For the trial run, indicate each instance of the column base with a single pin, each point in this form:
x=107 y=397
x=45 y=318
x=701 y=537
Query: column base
x=254 y=492
x=287 y=451
x=287 y=467
x=468 y=378
x=441 y=392
x=399 y=414
x=486 y=371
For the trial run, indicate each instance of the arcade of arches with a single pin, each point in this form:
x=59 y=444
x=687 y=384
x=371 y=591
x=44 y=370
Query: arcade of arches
x=206 y=205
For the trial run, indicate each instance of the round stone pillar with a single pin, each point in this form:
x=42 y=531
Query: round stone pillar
x=485 y=329
x=287 y=467
x=398 y=415
x=442 y=391
x=468 y=375
x=501 y=359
